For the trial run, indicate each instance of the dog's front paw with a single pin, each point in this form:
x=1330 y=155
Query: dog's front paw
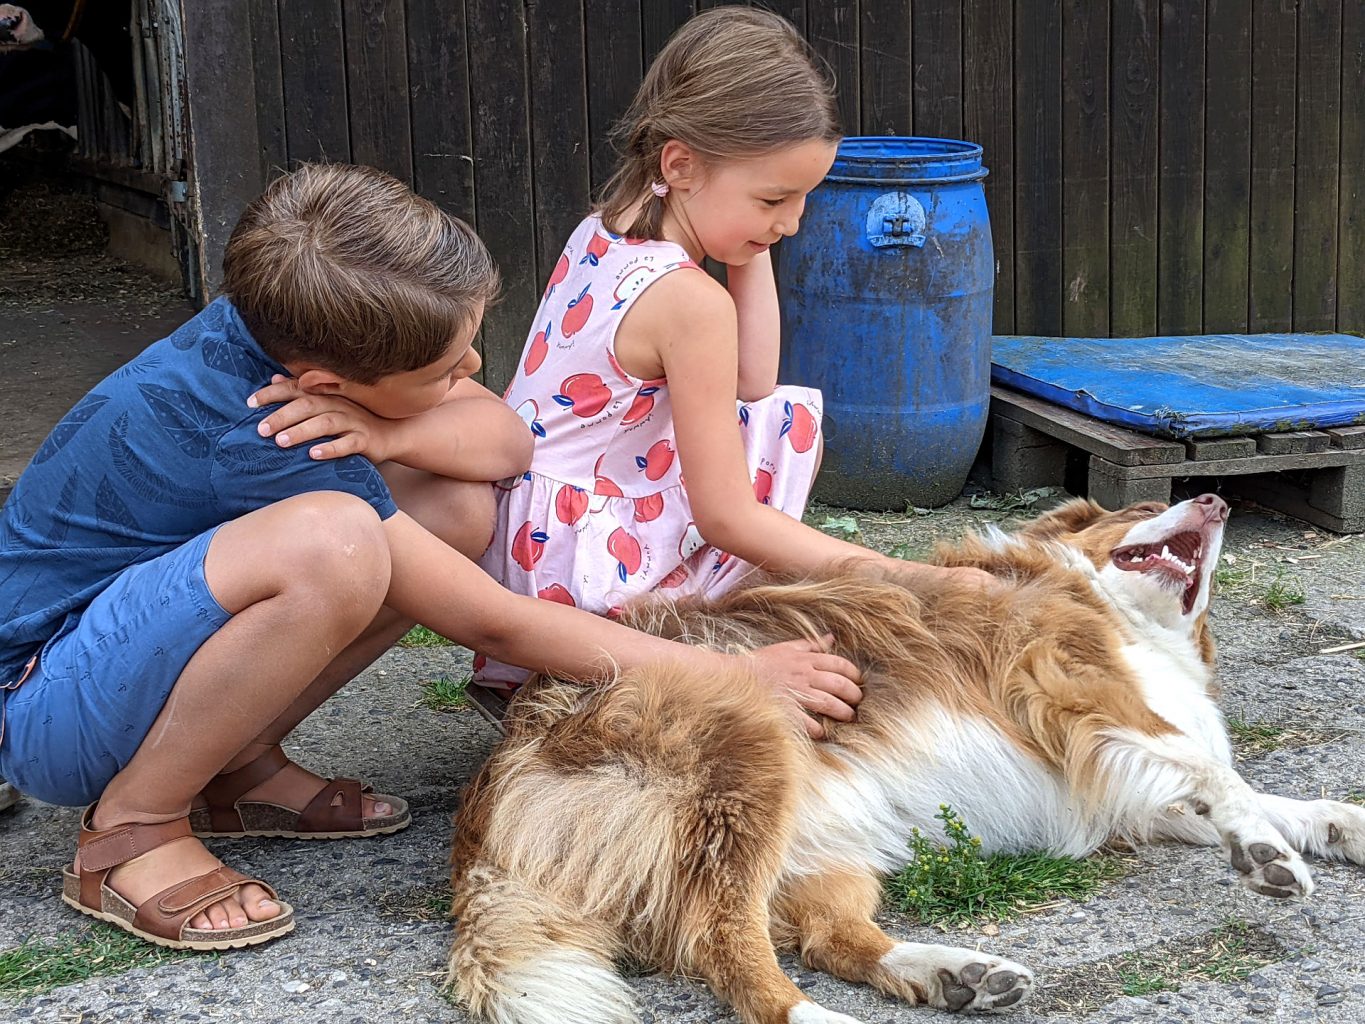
x=1268 y=866
x=954 y=979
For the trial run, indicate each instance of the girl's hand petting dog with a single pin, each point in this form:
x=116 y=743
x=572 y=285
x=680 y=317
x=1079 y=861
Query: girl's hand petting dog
x=812 y=680
x=303 y=417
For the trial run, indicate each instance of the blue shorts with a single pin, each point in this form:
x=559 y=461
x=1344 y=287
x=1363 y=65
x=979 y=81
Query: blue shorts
x=101 y=681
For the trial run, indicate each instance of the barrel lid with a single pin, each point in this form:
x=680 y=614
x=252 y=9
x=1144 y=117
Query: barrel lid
x=906 y=159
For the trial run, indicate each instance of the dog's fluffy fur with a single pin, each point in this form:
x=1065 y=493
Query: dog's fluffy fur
x=686 y=822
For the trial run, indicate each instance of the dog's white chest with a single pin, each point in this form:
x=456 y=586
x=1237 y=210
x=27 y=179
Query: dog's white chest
x=1174 y=686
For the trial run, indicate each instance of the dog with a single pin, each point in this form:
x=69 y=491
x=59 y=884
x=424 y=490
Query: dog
x=685 y=822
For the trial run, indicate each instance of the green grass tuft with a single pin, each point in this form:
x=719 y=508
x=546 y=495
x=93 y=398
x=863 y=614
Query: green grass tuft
x=1282 y=592
x=955 y=884
x=1250 y=738
x=42 y=964
x=1356 y=796
x=445 y=694
x=420 y=636
x=1233 y=577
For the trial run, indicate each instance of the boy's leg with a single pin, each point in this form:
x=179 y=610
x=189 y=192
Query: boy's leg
x=461 y=514
x=301 y=578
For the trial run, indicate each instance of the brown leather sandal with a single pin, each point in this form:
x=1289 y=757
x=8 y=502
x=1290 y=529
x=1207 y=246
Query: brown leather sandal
x=335 y=813
x=163 y=918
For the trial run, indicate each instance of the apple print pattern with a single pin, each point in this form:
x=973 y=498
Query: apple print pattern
x=603 y=514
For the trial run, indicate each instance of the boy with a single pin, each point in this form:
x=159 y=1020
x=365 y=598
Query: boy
x=185 y=576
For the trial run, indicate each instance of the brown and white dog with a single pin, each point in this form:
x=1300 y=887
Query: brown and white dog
x=684 y=821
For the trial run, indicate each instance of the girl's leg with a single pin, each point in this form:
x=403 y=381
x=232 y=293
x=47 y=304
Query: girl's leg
x=301 y=579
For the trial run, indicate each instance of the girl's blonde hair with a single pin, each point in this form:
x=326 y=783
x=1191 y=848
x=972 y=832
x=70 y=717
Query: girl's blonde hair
x=732 y=82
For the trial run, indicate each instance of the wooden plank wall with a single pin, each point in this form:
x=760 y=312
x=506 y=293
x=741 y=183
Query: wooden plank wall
x=1156 y=167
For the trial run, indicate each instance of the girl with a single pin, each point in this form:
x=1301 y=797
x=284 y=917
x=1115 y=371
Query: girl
x=646 y=474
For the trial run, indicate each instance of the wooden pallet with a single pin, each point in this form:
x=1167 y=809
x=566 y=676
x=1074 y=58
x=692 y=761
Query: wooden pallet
x=1032 y=440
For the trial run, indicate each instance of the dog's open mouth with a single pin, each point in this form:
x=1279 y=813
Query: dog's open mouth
x=1178 y=559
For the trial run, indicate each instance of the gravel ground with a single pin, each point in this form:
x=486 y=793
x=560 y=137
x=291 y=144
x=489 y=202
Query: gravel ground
x=372 y=939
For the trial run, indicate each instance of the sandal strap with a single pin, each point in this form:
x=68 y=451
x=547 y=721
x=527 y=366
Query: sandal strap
x=166 y=913
x=321 y=816
x=103 y=849
x=224 y=790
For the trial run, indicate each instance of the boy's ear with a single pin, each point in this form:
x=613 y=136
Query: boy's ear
x=318 y=381
x=679 y=165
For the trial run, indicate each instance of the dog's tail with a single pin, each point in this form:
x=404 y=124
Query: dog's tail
x=519 y=958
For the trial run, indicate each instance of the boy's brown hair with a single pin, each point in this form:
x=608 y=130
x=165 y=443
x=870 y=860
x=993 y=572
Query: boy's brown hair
x=732 y=82
x=345 y=266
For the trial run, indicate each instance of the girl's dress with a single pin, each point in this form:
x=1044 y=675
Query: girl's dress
x=603 y=515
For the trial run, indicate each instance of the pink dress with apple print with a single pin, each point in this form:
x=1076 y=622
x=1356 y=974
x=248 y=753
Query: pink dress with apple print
x=603 y=514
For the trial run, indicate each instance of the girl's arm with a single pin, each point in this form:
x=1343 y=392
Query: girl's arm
x=693 y=324
x=754 y=292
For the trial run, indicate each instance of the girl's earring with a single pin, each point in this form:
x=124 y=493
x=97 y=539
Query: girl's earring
x=659 y=188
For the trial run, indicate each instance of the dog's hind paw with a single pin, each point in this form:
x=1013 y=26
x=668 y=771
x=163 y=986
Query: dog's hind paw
x=954 y=979
x=1270 y=868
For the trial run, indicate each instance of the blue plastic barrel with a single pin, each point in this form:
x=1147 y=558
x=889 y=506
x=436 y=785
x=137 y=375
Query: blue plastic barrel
x=886 y=307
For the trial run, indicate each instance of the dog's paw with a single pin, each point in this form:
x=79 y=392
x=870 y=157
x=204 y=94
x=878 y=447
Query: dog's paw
x=813 y=1013
x=1268 y=866
x=954 y=979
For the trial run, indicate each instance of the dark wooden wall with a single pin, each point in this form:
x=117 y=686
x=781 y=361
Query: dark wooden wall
x=1156 y=167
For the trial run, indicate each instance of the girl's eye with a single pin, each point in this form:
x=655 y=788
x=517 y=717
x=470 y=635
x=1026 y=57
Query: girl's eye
x=773 y=202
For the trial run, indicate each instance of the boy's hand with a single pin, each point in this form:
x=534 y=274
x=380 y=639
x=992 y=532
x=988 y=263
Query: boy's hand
x=812 y=679
x=303 y=418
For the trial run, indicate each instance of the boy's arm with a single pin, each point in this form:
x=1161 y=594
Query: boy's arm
x=754 y=291
x=472 y=435
x=435 y=585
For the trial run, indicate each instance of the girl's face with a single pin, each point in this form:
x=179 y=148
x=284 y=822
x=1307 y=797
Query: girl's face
x=733 y=210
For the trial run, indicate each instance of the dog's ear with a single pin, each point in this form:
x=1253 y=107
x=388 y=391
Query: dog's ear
x=1081 y=514
x=1073 y=517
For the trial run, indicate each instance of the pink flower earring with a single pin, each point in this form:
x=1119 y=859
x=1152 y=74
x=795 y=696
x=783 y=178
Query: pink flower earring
x=659 y=188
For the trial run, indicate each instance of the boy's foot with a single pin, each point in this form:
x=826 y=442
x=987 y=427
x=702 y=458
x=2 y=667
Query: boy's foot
x=9 y=796
x=490 y=704
x=162 y=885
x=273 y=796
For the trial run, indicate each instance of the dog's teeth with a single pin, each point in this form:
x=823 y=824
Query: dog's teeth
x=1165 y=551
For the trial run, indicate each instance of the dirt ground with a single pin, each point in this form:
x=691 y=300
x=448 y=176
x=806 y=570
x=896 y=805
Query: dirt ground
x=69 y=313
x=372 y=938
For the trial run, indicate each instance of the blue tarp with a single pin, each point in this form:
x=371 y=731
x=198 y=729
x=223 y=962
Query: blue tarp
x=1214 y=385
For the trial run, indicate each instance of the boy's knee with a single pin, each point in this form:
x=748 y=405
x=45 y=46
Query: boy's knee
x=336 y=538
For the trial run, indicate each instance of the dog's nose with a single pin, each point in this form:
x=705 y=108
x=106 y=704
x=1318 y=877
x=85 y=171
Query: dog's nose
x=1213 y=506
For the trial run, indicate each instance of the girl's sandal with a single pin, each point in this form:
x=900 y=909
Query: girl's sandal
x=162 y=919
x=335 y=813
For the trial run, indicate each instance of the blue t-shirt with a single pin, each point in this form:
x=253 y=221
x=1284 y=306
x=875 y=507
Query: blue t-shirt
x=158 y=452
